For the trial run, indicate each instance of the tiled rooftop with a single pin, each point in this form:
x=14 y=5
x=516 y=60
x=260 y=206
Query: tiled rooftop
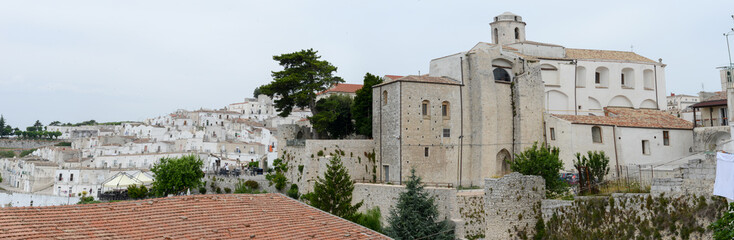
x=423 y=78
x=605 y=54
x=627 y=117
x=345 y=87
x=232 y=216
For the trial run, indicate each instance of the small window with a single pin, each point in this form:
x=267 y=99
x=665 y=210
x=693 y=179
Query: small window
x=666 y=138
x=622 y=82
x=424 y=109
x=553 y=133
x=61 y=177
x=446 y=132
x=445 y=109
x=71 y=177
x=596 y=134
x=646 y=147
x=425 y=151
x=384 y=97
x=517 y=31
x=597 y=78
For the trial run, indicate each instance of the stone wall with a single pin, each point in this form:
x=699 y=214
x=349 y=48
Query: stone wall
x=469 y=215
x=26 y=144
x=695 y=177
x=306 y=163
x=230 y=182
x=512 y=204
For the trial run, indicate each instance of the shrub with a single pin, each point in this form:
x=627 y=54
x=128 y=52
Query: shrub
x=26 y=152
x=202 y=190
x=252 y=184
x=135 y=192
x=7 y=154
x=724 y=227
x=542 y=162
x=370 y=219
x=592 y=168
x=278 y=177
x=218 y=190
x=87 y=200
x=227 y=190
x=293 y=191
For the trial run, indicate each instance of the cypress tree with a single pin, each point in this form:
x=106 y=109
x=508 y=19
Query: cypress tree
x=415 y=216
x=333 y=193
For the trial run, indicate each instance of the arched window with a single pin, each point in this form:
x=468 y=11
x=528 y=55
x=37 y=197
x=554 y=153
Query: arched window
x=601 y=77
x=628 y=78
x=596 y=134
x=580 y=77
x=648 y=78
x=496 y=35
x=445 y=109
x=425 y=109
x=384 y=97
x=517 y=33
x=549 y=74
x=500 y=74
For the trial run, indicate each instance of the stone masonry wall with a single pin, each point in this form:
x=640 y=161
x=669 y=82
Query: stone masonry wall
x=512 y=204
x=26 y=144
x=695 y=177
x=307 y=163
x=469 y=215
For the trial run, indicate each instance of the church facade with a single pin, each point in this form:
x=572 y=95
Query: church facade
x=461 y=123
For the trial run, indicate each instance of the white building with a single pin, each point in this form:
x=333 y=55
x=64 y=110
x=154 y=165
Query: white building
x=627 y=136
x=577 y=81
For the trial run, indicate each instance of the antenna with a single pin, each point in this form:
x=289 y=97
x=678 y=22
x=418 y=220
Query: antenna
x=632 y=48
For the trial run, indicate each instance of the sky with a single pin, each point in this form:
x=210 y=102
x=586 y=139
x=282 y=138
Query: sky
x=73 y=61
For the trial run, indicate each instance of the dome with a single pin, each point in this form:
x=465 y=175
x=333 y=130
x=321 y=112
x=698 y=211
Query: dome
x=508 y=16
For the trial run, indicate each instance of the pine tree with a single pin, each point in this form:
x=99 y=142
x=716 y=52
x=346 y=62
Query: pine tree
x=415 y=215
x=333 y=193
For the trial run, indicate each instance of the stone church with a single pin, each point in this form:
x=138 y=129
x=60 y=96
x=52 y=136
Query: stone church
x=460 y=123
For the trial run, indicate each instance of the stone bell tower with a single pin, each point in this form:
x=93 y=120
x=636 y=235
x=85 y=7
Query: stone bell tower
x=507 y=28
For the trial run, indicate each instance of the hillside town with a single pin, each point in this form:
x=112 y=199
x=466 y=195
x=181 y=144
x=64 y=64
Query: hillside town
x=460 y=131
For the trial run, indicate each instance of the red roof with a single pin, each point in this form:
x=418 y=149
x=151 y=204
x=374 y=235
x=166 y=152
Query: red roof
x=628 y=117
x=232 y=216
x=345 y=87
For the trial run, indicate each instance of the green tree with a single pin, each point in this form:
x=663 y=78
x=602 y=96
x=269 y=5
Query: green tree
x=592 y=168
x=7 y=154
x=333 y=192
x=724 y=227
x=176 y=175
x=277 y=175
x=256 y=92
x=302 y=77
x=334 y=117
x=54 y=123
x=135 y=192
x=415 y=216
x=542 y=162
x=362 y=106
x=38 y=126
x=370 y=219
x=2 y=127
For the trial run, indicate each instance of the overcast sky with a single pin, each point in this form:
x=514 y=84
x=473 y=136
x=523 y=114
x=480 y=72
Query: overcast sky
x=73 y=61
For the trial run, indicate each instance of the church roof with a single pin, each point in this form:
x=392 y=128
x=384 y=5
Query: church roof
x=574 y=53
x=422 y=79
x=628 y=117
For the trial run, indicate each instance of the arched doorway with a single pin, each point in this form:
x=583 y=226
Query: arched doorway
x=503 y=162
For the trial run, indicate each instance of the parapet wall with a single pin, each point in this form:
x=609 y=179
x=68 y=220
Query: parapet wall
x=693 y=178
x=512 y=204
x=26 y=144
x=307 y=162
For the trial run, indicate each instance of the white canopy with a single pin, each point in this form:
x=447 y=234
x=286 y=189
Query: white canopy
x=121 y=180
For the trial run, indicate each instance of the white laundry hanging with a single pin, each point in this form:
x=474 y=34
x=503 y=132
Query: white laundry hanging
x=724 y=184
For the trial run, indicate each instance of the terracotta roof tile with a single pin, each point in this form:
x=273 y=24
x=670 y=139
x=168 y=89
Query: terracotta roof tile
x=605 y=54
x=393 y=77
x=232 y=216
x=345 y=87
x=627 y=117
x=423 y=78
